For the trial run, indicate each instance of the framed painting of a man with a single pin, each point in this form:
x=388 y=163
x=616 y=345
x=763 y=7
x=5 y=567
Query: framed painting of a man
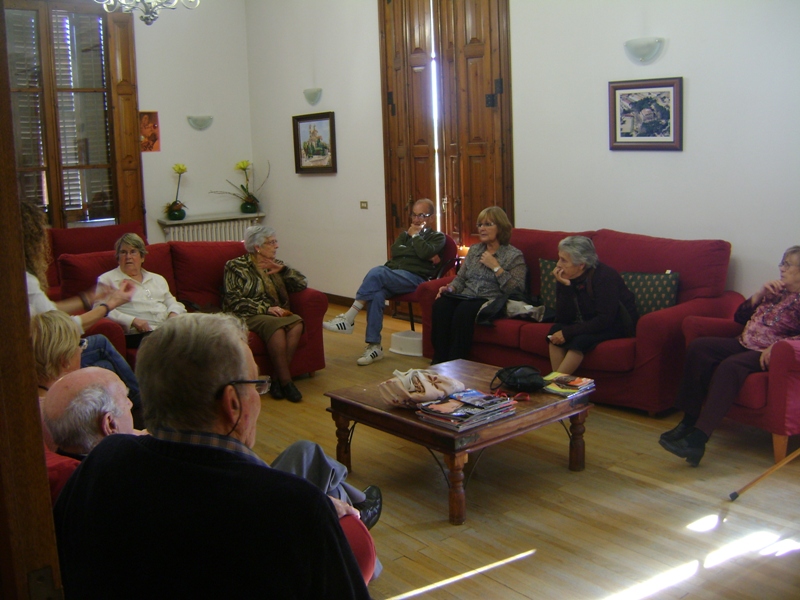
x=646 y=114
x=314 y=143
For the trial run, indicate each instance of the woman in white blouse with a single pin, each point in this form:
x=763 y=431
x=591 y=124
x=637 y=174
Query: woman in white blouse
x=152 y=302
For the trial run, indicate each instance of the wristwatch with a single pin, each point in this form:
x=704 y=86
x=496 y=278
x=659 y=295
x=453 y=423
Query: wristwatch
x=497 y=268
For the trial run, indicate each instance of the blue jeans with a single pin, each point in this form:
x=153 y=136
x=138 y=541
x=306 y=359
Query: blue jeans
x=378 y=285
x=101 y=353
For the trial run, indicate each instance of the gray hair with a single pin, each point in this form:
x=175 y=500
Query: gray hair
x=79 y=424
x=134 y=241
x=184 y=364
x=256 y=236
x=580 y=249
x=791 y=252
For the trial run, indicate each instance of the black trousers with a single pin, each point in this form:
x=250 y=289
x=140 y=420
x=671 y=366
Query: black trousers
x=453 y=327
x=713 y=374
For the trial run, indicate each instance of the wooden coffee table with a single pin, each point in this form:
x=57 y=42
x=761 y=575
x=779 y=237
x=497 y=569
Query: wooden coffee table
x=363 y=404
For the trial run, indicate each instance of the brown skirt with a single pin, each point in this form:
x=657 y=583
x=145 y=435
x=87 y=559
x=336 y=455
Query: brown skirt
x=266 y=325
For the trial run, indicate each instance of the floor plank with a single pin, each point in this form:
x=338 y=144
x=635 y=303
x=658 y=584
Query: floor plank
x=596 y=534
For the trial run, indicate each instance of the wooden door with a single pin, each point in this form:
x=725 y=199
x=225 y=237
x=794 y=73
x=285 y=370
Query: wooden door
x=470 y=38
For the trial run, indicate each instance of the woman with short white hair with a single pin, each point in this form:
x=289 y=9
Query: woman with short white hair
x=256 y=289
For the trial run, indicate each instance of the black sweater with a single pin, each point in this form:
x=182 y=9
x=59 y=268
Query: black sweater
x=146 y=518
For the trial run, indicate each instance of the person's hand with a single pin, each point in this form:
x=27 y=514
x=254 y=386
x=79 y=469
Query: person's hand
x=442 y=290
x=771 y=287
x=116 y=297
x=141 y=325
x=487 y=259
x=277 y=311
x=269 y=266
x=763 y=360
x=343 y=508
x=557 y=338
x=558 y=273
x=416 y=228
x=141 y=432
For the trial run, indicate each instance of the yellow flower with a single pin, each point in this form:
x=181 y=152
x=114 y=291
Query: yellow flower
x=179 y=168
x=242 y=165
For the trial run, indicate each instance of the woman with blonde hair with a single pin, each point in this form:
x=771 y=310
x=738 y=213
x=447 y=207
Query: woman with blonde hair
x=493 y=267
x=57 y=347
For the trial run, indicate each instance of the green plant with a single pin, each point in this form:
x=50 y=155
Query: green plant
x=176 y=204
x=243 y=191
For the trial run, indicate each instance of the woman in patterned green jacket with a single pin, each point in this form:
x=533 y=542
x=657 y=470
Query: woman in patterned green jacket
x=256 y=289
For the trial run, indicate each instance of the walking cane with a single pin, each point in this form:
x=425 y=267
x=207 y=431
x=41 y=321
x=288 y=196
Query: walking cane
x=770 y=471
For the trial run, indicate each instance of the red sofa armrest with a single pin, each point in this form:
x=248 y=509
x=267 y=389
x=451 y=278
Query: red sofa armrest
x=696 y=327
x=361 y=543
x=427 y=291
x=310 y=304
x=113 y=331
x=783 y=395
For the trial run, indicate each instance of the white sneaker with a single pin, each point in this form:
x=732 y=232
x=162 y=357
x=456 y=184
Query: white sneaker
x=339 y=324
x=371 y=354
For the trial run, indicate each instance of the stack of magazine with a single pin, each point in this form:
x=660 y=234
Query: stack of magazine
x=570 y=386
x=465 y=410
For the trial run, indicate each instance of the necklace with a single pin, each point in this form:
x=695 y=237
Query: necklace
x=783 y=309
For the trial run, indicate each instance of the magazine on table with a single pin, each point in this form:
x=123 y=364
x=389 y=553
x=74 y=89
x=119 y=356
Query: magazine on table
x=462 y=410
x=567 y=385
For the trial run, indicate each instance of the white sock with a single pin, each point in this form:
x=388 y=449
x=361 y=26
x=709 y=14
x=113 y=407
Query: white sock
x=350 y=315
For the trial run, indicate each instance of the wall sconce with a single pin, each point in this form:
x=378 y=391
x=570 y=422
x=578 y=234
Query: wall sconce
x=200 y=122
x=312 y=95
x=644 y=50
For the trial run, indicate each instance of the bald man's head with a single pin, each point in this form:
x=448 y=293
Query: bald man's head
x=83 y=407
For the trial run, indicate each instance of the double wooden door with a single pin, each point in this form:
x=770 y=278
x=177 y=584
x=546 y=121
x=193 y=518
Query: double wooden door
x=446 y=58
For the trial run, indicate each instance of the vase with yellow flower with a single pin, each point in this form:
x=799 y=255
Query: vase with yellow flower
x=175 y=209
x=250 y=203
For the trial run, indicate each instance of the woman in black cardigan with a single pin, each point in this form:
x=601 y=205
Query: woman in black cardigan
x=591 y=304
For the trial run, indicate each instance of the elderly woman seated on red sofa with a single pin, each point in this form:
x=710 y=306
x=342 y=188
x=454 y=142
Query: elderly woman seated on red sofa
x=152 y=302
x=593 y=304
x=256 y=289
x=716 y=367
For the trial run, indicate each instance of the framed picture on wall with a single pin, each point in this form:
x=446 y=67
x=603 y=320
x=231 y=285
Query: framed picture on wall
x=314 y=143
x=149 y=134
x=646 y=114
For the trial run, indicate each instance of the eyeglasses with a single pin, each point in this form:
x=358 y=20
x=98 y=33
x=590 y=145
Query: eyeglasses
x=785 y=264
x=420 y=215
x=272 y=242
x=84 y=343
x=262 y=385
x=486 y=224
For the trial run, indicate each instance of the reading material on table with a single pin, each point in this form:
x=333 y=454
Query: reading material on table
x=567 y=385
x=464 y=410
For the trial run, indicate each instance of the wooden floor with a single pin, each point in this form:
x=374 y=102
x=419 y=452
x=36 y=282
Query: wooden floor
x=534 y=529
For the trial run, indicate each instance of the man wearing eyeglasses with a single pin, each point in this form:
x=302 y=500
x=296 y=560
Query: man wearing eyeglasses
x=413 y=255
x=190 y=511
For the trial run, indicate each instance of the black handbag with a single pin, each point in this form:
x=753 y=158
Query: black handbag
x=523 y=378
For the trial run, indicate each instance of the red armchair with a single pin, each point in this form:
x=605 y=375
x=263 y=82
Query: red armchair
x=768 y=400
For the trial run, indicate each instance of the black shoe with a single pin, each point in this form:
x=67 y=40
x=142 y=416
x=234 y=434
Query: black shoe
x=276 y=390
x=677 y=433
x=291 y=392
x=683 y=448
x=371 y=507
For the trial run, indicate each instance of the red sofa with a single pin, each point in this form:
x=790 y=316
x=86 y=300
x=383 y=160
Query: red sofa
x=768 y=400
x=194 y=271
x=641 y=372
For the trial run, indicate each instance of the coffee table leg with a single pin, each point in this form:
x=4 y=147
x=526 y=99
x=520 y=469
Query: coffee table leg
x=457 y=495
x=577 y=447
x=343 y=439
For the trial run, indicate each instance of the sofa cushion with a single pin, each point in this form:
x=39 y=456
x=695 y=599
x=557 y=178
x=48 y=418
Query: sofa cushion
x=199 y=270
x=702 y=264
x=547 y=289
x=79 y=272
x=653 y=291
x=82 y=240
x=504 y=332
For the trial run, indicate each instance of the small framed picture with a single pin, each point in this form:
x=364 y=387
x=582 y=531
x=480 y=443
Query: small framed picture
x=149 y=135
x=314 y=143
x=646 y=114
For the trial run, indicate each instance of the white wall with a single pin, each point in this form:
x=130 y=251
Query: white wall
x=734 y=180
x=332 y=45
x=737 y=178
x=194 y=62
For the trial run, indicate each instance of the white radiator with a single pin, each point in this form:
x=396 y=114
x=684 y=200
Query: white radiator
x=216 y=229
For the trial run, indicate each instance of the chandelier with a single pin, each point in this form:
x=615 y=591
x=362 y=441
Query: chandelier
x=148 y=8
